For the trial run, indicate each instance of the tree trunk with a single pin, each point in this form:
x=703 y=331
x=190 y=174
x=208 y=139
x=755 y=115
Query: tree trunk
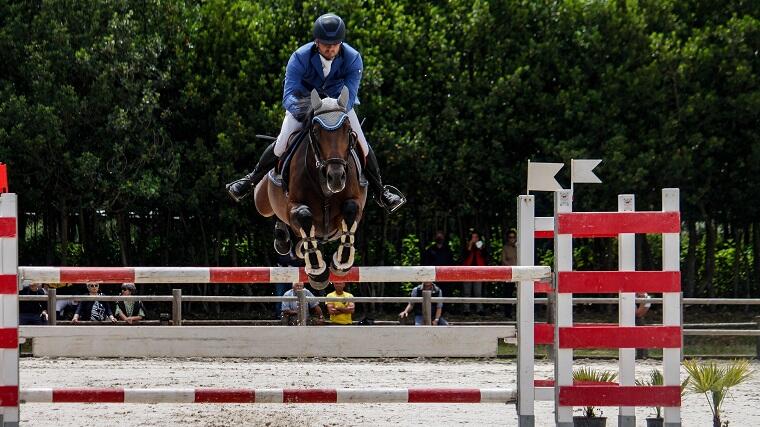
x=756 y=252
x=216 y=307
x=122 y=227
x=84 y=235
x=164 y=236
x=691 y=260
x=738 y=250
x=710 y=242
x=48 y=227
x=206 y=260
x=64 y=230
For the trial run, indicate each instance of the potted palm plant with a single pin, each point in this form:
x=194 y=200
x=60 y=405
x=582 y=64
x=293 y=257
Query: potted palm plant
x=655 y=379
x=590 y=417
x=716 y=381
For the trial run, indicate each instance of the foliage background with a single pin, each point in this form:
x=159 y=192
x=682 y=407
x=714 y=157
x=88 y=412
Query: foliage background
x=120 y=122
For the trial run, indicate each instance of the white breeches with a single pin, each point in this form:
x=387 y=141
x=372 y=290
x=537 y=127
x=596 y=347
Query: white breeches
x=291 y=125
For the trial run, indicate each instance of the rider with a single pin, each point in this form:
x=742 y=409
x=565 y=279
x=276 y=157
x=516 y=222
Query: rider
x=326 y=64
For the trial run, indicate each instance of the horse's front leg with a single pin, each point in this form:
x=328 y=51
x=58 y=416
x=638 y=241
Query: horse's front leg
x=303 y=221
x=343 y=259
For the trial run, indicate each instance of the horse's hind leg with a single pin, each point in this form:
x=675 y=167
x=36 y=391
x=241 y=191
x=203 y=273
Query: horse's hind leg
x=316 y=268
x=343 y=259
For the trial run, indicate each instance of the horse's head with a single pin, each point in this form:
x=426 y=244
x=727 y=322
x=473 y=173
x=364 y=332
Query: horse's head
x=332 y=139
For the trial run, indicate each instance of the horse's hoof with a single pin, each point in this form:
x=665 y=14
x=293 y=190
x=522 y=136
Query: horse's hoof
x=321 y=280
x=282 y=248
x=334 y=269
x=319 y=285
x=282 y=243
x=337 y=271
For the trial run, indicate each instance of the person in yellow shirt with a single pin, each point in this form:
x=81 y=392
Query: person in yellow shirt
x=340 y=312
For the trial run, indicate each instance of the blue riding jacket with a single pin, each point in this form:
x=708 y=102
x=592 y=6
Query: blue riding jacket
x=304 y=73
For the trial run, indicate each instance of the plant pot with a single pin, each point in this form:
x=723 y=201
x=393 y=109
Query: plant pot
x=580 y=421
x=654 y=422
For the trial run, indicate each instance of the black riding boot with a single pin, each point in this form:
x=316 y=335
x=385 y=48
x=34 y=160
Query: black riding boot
x=239 y=189
x=384 y=194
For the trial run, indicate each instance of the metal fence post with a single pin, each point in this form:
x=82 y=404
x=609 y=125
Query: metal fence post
x=757 y=340
x=426 y=311
x=303 y=307
x=177 y=307
x=51 y=303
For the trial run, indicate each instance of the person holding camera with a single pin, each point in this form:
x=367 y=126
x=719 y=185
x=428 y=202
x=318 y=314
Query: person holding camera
x=474 y=255
x=436 y=309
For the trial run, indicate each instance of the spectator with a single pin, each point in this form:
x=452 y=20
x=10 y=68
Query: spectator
x=509 y=258
x=290 y=308
x=437 y=320
x=474 y=255
x=340 y=312
x=93 y=310
x=289 y=260
x=129 y=311
x=641 y=310
x=32 y=312
x=64 y=308
x=439 y=252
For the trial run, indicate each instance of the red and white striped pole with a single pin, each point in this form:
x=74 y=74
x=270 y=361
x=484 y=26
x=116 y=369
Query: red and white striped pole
x=8 y=310
x=248 y=395
x=248 y=275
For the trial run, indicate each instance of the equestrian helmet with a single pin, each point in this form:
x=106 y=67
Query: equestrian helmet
x=329 y=29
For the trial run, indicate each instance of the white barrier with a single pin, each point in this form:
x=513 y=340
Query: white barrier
x=266 y=341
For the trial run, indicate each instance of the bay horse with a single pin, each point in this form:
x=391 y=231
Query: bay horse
x=324 y=196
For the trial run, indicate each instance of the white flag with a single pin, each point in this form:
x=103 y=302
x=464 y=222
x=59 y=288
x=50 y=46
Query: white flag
x=541 y=176
x=583 y=171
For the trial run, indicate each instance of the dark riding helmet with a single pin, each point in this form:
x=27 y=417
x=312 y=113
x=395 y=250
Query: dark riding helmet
x=329 y=29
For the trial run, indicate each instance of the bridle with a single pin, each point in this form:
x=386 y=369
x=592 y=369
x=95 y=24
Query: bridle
x=319 y=162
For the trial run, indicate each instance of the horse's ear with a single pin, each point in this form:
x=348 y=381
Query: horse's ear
x=316 y=101
x=343 y=98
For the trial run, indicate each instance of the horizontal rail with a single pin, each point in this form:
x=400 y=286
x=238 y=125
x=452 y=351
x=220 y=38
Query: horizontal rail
x=720 y=325
x=248 y=275
x=247 y=395
x=723 y=332
x=449 y=300
x=606 y=224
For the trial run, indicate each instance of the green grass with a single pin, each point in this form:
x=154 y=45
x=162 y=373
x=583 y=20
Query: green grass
x=693 y=346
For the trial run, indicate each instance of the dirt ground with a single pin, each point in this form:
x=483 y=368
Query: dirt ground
x=741 y=409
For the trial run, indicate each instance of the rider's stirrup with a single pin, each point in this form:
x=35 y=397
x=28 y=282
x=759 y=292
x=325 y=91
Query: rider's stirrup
x=395 y=191
x=238 y=183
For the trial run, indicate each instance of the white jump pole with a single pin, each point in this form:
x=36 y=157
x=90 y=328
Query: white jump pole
x=526 y=206
x=627 y=311
x=563 y=261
